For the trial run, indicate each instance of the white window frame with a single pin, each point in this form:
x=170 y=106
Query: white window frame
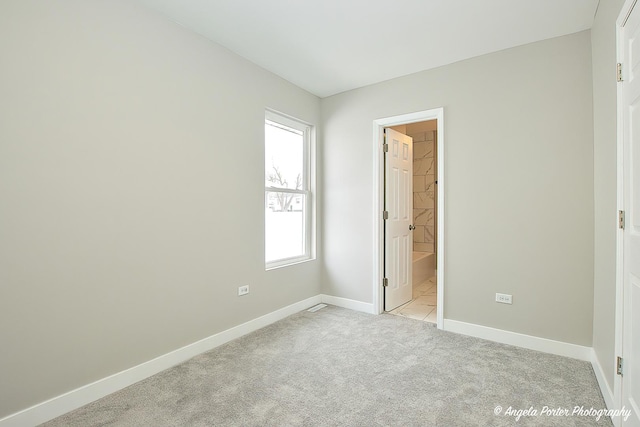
x=308 y=187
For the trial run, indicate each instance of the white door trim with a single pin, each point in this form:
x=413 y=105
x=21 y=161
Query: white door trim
x=378 y=203
x=620 y=54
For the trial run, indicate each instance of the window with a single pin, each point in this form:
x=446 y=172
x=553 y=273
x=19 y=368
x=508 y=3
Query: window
x=288 y=198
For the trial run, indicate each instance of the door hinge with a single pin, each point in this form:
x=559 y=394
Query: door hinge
x=385 y=282
x=619 y=365
x=385 y=214
x=619 y=72
x=621 y=220
x=385 y=146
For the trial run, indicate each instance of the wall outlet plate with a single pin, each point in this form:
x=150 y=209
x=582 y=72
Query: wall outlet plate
x=243 y=290
x=504 y=298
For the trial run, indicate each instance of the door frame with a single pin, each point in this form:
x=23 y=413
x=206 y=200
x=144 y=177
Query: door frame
x=625 y=11
x=378 y=204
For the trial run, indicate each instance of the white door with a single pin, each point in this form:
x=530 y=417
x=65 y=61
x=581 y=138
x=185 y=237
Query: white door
x=398 y=203
x=631 y=233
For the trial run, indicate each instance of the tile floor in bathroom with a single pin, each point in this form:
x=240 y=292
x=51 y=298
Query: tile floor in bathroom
x=423 y=304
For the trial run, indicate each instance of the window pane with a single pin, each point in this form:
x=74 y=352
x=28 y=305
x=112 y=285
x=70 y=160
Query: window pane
x=284 y=156
x=284 y=225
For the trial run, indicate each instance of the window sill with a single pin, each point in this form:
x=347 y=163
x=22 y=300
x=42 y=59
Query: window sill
x=287 y=262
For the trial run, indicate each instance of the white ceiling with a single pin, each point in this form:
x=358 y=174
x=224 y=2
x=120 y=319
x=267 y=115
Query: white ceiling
x=330 y=46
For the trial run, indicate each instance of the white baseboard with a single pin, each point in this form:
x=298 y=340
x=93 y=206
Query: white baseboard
x=74 y=399
x=607 y=393
x=348 y=303
x=519 y=340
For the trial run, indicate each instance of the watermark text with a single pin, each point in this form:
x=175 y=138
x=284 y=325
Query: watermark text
x=547 y=411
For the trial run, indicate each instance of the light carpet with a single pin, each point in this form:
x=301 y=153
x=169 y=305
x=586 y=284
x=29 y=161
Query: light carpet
x=337 y=367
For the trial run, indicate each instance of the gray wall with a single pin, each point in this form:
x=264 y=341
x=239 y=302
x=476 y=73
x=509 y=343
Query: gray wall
x=131 y=189
x=603 y=41
x=518 y=145
x=131 y=192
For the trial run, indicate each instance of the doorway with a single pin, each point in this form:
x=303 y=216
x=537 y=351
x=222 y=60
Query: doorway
x=421 y=304
x=428 y=242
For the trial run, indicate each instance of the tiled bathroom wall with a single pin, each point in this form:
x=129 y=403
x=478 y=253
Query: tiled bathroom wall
x=424 y=187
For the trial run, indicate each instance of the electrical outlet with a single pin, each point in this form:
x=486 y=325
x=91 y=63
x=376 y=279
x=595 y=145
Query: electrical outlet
x=503 y=298
x=243 y=290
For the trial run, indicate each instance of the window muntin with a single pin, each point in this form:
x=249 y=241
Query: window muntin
x=287 y=191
